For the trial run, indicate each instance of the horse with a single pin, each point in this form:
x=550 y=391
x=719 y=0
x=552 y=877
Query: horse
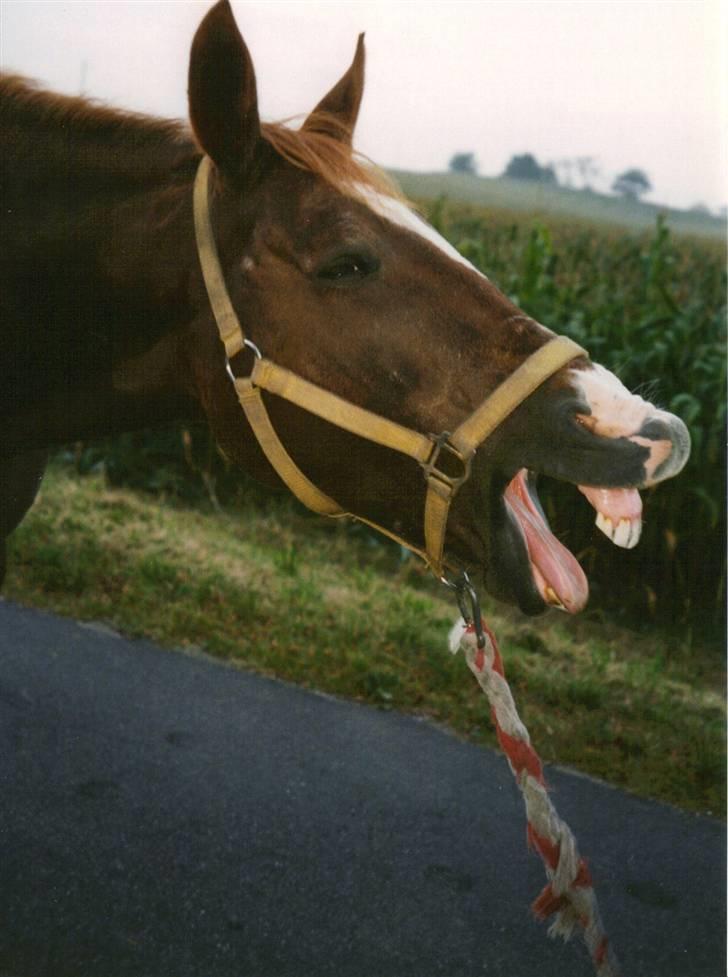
x=128 y=244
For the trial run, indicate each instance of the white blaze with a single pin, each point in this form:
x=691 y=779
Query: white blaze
x=403 y=216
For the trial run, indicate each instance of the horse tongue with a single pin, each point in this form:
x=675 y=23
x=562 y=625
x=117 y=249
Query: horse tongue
x=559 y=578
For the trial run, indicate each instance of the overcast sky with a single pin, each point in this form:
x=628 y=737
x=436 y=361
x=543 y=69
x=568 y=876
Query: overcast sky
x=630 y=82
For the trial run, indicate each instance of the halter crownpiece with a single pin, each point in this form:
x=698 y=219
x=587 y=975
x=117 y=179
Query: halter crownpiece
x=427 y=450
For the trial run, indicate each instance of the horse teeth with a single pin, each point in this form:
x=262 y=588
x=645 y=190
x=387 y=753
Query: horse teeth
x=635 y=533
x=625 y=534
x=605 y=524
x=553 y=599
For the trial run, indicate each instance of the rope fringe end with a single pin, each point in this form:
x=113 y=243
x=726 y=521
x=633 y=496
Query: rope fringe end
x=569 y=895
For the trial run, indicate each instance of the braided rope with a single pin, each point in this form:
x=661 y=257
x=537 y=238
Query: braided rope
x=569 y=895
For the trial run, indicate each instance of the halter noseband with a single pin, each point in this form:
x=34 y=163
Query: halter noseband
x=427 y=450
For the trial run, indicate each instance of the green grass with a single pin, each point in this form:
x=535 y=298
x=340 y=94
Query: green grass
x=541 y=199
x=288 y=594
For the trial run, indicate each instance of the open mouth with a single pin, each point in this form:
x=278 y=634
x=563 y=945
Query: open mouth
x=558 y=578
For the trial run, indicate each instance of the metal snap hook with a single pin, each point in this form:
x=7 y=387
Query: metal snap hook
x=468 y=603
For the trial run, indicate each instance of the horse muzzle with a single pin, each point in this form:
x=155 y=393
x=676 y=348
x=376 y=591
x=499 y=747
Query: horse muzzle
x=607 y=442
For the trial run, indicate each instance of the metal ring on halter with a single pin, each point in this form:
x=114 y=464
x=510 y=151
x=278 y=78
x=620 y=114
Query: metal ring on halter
x=251 y=346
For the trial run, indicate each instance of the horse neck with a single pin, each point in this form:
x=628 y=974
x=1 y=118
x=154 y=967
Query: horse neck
x=73 y=171
x=94 y=283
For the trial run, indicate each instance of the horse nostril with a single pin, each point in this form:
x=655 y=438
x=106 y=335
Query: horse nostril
x=672 y=430
x=656 y=429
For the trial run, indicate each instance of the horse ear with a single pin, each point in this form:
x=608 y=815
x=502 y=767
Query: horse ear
x=223 y=101
x=336 y=113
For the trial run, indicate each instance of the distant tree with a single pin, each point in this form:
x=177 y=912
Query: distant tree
x=564 y=168
x=463 y=163
x=586 y=169
x=632 y=184
x=526 y=167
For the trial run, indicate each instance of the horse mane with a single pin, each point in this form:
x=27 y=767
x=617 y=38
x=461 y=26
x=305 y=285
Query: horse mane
x=322 y=147
x=23 y=97
x=40 y=126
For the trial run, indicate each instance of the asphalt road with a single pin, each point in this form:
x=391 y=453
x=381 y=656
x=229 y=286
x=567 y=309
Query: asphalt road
x=163 y=815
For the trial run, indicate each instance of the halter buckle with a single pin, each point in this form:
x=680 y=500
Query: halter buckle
x=440 y=443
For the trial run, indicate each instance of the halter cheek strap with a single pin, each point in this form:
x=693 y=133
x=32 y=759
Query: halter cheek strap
x=427 y=450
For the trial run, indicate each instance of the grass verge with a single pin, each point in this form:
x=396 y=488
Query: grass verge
x=313 y=602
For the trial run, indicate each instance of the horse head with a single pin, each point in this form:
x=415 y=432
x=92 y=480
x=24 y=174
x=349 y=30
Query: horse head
x=335 y=278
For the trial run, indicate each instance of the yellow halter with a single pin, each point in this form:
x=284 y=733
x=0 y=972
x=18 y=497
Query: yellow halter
x=425 y=449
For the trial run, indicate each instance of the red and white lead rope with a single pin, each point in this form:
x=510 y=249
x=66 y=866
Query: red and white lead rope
x=569 y=895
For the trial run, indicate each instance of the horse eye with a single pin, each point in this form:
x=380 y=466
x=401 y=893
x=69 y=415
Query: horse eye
x=348 y=268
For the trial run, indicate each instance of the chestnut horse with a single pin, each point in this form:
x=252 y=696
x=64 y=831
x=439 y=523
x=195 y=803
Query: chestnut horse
x=107 y=323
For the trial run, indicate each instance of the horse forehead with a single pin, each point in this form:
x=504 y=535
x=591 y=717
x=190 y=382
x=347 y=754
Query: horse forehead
x=323 y=210
x=317 y=215
x=397 y=212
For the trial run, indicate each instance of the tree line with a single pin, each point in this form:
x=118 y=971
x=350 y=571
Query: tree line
x=632 y=183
